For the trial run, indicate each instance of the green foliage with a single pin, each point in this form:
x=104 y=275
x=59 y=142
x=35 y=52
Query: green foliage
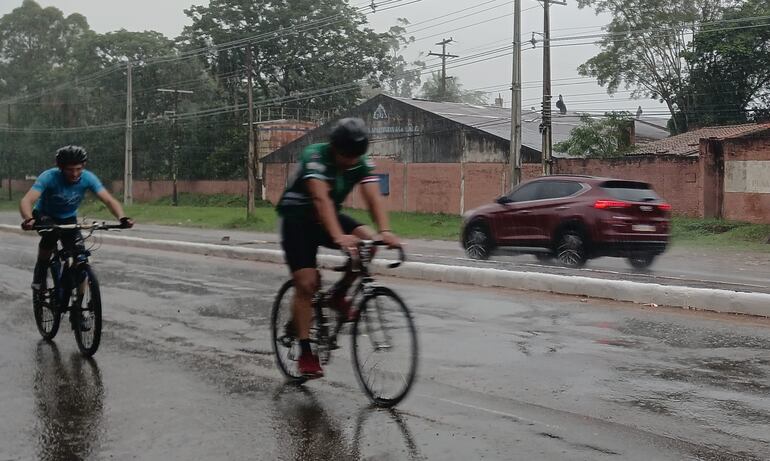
x=431 y=90
x=646 y=48
x=729 y=67
x=601 y=137
x=44 y=57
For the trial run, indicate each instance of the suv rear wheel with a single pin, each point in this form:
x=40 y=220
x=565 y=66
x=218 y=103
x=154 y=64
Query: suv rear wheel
x=478 y=242
x=642 y=261
x=571 y=249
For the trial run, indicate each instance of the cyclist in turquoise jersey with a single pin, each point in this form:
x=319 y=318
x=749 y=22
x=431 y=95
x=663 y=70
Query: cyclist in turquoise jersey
x=55 y=198
x=310 y=211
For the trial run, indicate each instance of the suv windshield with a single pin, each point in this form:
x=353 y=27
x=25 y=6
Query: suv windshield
x=630 y=191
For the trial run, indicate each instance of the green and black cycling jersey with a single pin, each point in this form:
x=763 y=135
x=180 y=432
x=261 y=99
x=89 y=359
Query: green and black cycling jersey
x=317 y=162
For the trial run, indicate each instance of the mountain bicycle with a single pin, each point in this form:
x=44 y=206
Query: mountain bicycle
x=71 y=286
x=383 y=333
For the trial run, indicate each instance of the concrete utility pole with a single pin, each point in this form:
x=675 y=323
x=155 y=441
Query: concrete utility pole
x=515 y=157
x=175 y=150
x=128 y=168
x=443 y=57
x=250 y=162
x=547 y=149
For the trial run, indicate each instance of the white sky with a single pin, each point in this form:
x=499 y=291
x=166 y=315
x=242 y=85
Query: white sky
x=167 y=16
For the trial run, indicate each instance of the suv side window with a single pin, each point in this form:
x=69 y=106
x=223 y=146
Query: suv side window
x=559 y=189
x=526 y=193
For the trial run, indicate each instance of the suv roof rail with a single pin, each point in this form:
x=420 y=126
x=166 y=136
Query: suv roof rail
x=569 y=176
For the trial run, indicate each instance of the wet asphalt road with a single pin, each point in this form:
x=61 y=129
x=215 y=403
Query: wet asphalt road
x=728 y=269
x=185 y=372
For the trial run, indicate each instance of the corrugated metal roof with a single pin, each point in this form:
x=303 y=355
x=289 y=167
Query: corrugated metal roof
x=497 y=121
x=688 y=144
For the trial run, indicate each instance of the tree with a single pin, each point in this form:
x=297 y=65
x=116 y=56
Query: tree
x=37 y=46
x=306 y=46
x=604 y=137
x=431 y=90
x=405 y=77
x=645 y=48
x=730 y=78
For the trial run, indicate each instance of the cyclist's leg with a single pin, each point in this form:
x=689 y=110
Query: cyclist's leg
x=340 y=289
x=300 y=245
x=44 y=251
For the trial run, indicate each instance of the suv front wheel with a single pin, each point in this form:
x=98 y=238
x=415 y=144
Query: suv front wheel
x=571 y=249
x=477 y=242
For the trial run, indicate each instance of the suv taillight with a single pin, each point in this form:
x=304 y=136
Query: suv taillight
x=605 y=204
x=664 y=207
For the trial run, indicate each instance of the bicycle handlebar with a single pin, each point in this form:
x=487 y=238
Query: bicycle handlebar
x=368 y=244
x=84 y=226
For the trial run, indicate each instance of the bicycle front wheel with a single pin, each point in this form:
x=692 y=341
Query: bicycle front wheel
x=45 y=306
x=87 y=313
x=285 y=343
x=385 y=347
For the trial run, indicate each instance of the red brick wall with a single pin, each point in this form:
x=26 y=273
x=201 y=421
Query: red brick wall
x=275 y=180
x=747 y=206
x=676 y=179
x=531 y=171
x=483 y=183
x=152 y=190
x=433 y=188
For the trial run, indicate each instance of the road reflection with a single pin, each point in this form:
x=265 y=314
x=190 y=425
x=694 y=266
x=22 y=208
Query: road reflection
x=305 y=429
x=69 y=399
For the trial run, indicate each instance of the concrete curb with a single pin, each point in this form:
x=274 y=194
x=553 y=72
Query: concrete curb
x=725 y=301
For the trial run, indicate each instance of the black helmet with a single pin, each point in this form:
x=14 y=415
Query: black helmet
x=349 y=136
x=71 y=155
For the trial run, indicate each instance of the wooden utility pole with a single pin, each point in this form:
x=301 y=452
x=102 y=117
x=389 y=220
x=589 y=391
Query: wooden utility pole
x=443 y=55
x=250 y=162
x=515 y=157
x=128 y=168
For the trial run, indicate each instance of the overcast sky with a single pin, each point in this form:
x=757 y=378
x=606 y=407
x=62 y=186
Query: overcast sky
x=495 y=30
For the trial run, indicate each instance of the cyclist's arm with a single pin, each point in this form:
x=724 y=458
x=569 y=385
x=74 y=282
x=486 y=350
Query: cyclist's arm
x=27 y=203
x=113 y=205
x=373 y=200
x=327 y=213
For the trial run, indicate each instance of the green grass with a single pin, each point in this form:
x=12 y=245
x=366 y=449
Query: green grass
x=229 y=212
x=720 y=234
x=9 y=205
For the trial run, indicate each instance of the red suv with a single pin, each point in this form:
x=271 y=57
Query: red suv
x=573 y=219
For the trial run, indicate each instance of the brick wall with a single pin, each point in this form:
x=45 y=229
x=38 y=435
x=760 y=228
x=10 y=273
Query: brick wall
x=152 y=190
x=747 y=198
x=676 y=179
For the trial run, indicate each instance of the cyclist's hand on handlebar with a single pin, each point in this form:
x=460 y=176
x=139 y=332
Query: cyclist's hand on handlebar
x=126 y=223
x=348 y=243
x=390 y=239
x=28 y=224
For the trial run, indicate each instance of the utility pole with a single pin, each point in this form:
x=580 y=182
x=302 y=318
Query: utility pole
x=443 y=57
x=250 y=163
x=175 y=150
x=515 y=157
x=128 y=168
x=547 y=148
x=8 y=154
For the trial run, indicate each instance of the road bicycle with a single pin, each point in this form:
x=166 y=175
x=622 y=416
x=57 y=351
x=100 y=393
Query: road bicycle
x=383 y=334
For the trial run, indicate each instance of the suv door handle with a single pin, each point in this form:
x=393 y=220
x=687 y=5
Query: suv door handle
x=561 y=208
x=524 y=212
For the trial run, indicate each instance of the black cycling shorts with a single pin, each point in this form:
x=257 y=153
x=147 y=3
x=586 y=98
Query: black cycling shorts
x=71 y=240
x=301 y=237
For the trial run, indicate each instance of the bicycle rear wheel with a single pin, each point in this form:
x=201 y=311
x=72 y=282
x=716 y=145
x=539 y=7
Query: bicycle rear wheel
x=87 y=313
x=45 y=306
x=385 y=348
x=285 y=343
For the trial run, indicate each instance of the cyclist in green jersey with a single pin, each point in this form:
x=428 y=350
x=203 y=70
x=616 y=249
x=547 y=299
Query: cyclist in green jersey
x=310 y=211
